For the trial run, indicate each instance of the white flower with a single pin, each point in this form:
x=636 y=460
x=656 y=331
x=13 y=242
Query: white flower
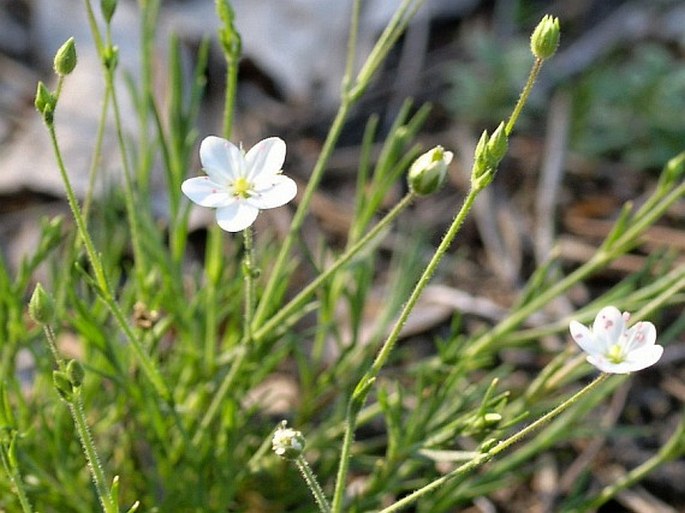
x=613 y=348
x=240 y=184
x=286 y=442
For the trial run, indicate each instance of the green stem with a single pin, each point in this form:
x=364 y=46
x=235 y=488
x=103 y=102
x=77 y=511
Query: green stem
x=295 y=304
x=351 y=93
x=362 y=389
x=75 y=404
x=140 y=267
x=302 y=210
x=148 y=366
x=313 y=484
x=523 y=98
x=219 y=396
x=248 y=277
x=97 y=474
x=15 y=479
x=429 y=271
x=97 y=154
x=93 y=257
x=483 y=458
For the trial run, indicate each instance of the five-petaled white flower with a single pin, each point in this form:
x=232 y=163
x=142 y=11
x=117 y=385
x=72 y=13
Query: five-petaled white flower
x=613 y=348
x=240 y=184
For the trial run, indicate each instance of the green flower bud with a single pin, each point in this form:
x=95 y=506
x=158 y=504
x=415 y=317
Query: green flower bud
x=480 y=155
x=287 y=443
x=45 y=103
x=497 y=146
x=63 y=385
x=545 y=38
x=41 y=306
x=108 y=7
x=427 y=173
x=110 y=57
x=75 y=373
x=65 y=58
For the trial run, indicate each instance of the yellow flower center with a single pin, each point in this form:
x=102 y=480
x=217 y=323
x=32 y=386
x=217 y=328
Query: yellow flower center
x=241 y=188
x=615 y=354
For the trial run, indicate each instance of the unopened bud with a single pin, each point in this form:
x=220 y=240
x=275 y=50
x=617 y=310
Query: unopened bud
x=65 y=58
x=45 y=103
x=545 y=38
x=41 y=306
x=75 y=373
x=287 y=443
x=63 y=385
x=108 y=7
x=427 y=173
x=497 y=146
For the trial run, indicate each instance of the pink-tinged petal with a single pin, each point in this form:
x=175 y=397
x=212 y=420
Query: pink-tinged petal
x=608 y=326
x=644 y=357
x=265 y=158
x=280 y=192
x=643 y=334
x=206 y=193
x=236 y=217
x=582 y=336
x=221 y=160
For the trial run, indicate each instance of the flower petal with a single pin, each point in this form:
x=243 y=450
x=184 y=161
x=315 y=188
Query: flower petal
x=236 y=217
x=221 y=160
x=279 y=192
x=644 y=357
x=608 y=327
x=643 y=334
x=203 y=191
x=265 y=158
x=582 y=336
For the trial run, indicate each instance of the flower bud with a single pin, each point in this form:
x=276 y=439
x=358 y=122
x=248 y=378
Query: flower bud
x=287 y=443
x=63 y=386
x=427 y=173
x=65 y=58
x=41 y=306
x=45 y=102
x=110 y=57
x=75 y=373
x=108 y=7
x=545 y=38
x=497 y=146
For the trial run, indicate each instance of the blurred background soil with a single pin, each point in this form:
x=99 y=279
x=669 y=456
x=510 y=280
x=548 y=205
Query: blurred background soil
x=606 y=114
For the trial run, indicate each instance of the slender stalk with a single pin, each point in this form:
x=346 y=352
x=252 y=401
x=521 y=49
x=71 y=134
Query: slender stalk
x=15 y=479
x=295 y=304
x=483 y=458
x=313 y=484
x=362 y=389
x=140 y=267
x=107 y=295
x=75 y=403
x=523 y=98
x=96 y=471
x=351 y=93
x=284 y=254
x=248 y=277
x=97 y=154
x=220 y=395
